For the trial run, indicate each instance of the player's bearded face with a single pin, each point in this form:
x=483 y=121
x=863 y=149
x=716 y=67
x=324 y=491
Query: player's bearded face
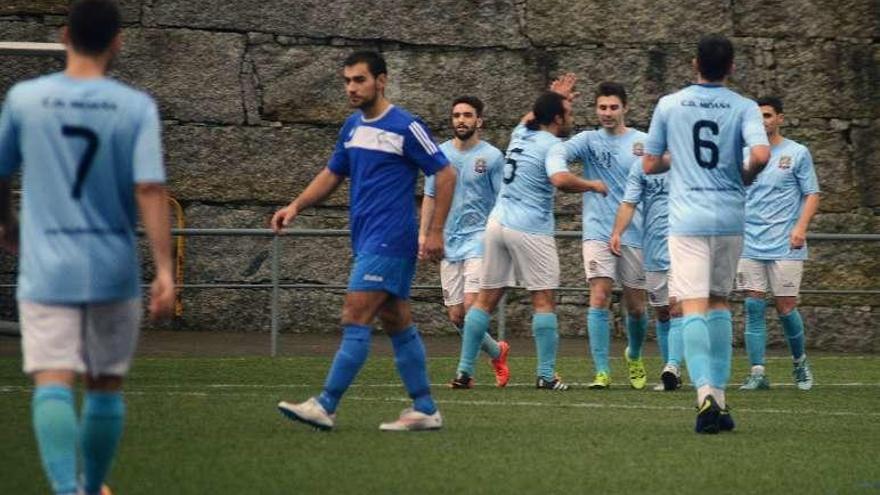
x=610 y=111
x=465 y=121
x=361 y=87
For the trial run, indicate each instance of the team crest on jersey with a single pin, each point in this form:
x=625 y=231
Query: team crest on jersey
x=784 y=162
x=638 y=148
x=480 y=166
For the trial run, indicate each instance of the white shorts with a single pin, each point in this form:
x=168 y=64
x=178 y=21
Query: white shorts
x=96 y=338
x=459 y=278
x=511 y=255
x=657 y=285
x=626 y=270
x=703 y=265
x=782 y=276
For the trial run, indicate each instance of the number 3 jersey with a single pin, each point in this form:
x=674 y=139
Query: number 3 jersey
x=82 y=145
x=525 y=202
x=705 y=127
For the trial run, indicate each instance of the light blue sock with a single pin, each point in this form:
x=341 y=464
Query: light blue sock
x=546 y=333
x=476 y=324
x=793 y=327
x=54 y=421
x=409 y=356
x=721 y=346
x=695 y=333
x=103 y=417
x=663 y=339
x=756 y=330
x=351 y=356
x=600 y=338
x=636 y=330
x=676 y=342
x=488 y=345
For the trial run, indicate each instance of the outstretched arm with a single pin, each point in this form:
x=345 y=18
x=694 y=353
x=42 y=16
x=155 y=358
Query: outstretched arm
x=321 y=186
x=571 y=183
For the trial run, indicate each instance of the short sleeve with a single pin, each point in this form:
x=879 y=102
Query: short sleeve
x=557 y=159
x=634 y=184
x=656 y=142
x=753 y=132
x=430 y=187
x=420 y=148
x=10 y=153
x=147 y=153
x=805 y=173
x=338 y=163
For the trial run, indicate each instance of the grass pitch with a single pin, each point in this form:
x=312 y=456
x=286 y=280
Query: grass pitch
x=201 y=426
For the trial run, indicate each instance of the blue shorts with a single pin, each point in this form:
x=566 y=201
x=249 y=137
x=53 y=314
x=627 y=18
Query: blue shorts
x=372 y=272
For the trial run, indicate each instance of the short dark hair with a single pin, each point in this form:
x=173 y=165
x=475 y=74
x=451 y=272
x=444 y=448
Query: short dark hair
x=771 y=101
x=92 y=25
x=472 y=101
x=374 y=60
x=714 y=57
x=547 y=107
x=611 y=88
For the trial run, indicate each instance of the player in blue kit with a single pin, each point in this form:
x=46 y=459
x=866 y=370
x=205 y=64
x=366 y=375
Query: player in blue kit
x=608 y=154
x=381 y=148
x=779 y=207
x=705 y=127
x=519 y=241
x=652 y=193
x=479 y=167
x=91 y=157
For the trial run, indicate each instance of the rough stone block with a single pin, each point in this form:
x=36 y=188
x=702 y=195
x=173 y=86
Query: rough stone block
x=557 y=22
x=194 y=75
x=258 y=164
x=809 y=18
x=828 y=79
x=130 y=9
x=866 y=162
x=445 y=22
x=834 y=167
x=303 y=84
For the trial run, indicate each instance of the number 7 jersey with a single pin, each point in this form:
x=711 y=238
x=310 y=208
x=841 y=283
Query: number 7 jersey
x=82 y=145
x=525 y=202
x=705 y=127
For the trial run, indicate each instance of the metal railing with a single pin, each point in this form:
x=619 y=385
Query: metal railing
x=276 y=285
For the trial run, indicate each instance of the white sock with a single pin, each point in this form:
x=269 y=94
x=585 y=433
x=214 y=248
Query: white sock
x=702 y=393
x=719 y=397
x=758 y=369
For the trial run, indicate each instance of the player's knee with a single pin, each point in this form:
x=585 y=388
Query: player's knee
x=785 y=305
x=663 y=313
x=600 y=296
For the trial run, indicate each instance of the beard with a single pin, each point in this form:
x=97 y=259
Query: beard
x=465 y=133
x=365 y=103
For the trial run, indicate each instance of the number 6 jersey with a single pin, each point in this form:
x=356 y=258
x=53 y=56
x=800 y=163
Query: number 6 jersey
x=705 y=127
x=82 y=145
x=525 y=202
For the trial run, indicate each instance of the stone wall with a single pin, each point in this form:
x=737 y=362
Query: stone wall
x=251 y=100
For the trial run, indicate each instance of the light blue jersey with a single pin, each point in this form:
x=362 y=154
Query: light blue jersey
x=652 y=193
x=479 y=171
x=82 y=145
x=608 y=158
x=705 y=127
x=526 y=199
x=775 y=201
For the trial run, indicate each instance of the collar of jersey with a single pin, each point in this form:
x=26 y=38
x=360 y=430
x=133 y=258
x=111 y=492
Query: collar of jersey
x=710 y=85
x=378 y=117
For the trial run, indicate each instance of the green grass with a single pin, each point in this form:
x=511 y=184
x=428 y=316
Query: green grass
x=210 y=426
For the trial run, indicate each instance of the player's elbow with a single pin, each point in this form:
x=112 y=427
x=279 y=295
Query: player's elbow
x=561 y=181
x=760 y=155
x=150 y=189
x=650 y=164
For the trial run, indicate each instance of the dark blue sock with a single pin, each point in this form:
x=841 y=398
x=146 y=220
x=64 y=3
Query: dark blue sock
x=350 y=357
x=409 y=356
x=55 y=427
x=103 y=418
